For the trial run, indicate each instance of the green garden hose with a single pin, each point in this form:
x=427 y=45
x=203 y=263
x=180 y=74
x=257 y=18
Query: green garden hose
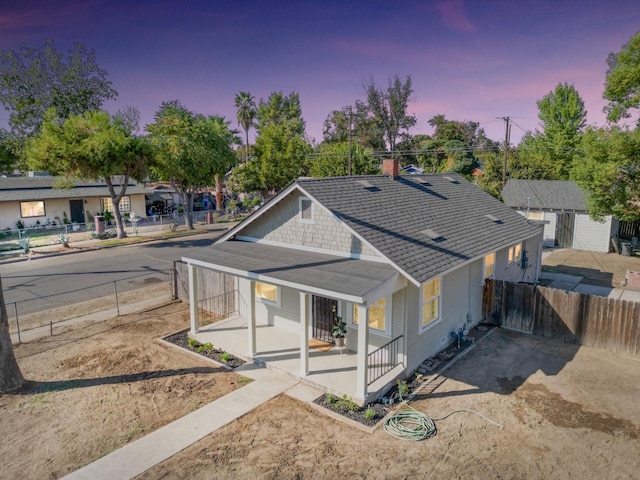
x=414 y=425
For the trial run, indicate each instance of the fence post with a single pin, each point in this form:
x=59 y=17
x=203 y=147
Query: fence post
x=175 y=281
x=15 y=309
x=115 y=289
x=51 y=327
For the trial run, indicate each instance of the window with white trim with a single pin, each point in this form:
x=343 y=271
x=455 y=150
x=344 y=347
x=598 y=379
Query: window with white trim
x=124 y=205
x=489 y=265
x=515 y=253
x=305 y=208
x=379 y=315
x=267 y=293
x=32 y=209
x=430 y=303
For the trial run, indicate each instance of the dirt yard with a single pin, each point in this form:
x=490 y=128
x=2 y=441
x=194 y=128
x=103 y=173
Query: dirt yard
x=95 y=389
x=568 y=412
x=597 y=268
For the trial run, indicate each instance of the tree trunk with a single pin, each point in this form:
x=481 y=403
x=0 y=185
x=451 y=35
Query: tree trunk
x=10 y=375
x=187 y=199
x=115 y=200
x=219 y=196
x=246 y=134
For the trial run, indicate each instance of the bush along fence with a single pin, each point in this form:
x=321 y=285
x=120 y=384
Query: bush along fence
x=43 y=316
x=571 y=316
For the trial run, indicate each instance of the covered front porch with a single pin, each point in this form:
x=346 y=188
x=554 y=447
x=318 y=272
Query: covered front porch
x=278 y=331
x=332 y=370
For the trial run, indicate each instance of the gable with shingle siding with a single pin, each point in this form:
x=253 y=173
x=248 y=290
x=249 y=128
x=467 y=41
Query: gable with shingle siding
x=281 y=225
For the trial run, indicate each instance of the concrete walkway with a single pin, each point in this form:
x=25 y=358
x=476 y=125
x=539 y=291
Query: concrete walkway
x=148 y=451
x=573 y=283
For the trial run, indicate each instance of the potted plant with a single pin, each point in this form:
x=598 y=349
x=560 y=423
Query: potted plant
x=339 y=329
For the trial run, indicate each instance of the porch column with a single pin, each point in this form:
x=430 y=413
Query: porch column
x=363 y=350
x=304 y=334
x=193 y=298
x=251 y=330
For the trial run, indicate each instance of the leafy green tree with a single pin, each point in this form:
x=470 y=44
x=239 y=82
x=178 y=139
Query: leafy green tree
x=354 y=121
x=388 y=109
x=10 y=375
x=622 y=84
x=246 y=115
x=7 y=157
x=610 y=172
x=92 y=146
x=32 y=81
x=332 y=160
x=549 y=154
x=280 y=153
x=280 y=109
x=189 y=150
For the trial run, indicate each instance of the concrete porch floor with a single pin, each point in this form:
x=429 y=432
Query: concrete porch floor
x=333 y=371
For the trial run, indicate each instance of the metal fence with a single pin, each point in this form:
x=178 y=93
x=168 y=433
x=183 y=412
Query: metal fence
x=43 y=316
x=384 y=359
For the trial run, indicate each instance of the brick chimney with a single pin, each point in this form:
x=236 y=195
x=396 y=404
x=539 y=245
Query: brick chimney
x=390 y=167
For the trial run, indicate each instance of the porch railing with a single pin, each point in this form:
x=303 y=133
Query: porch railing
x=219 y=307
x=383 y=359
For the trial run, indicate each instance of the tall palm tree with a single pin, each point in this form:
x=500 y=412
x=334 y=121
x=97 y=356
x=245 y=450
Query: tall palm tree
x=246 y=115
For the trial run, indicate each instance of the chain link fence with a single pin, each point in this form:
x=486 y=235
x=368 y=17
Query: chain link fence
x=43 y=316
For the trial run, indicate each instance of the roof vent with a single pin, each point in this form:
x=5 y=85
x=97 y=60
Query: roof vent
x=451 y=179
x=432 y=234
x=494 y=219
x=368 y=185
x=423 y=181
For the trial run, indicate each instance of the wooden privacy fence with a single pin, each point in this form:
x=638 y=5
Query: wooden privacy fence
x=571 y=316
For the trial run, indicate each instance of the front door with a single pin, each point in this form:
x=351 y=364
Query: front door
x=322 y=313
x=76 y=208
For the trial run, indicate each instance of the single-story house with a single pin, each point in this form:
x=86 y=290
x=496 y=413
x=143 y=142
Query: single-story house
x=562 y=207
x=401 y=259
x=35 y=201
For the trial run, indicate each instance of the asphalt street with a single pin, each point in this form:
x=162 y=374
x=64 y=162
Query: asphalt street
x=41 y=277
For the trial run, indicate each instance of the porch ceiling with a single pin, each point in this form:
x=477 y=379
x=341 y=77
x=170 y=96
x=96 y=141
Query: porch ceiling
x=328 y=275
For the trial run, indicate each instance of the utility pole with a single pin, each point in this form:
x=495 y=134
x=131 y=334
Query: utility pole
x=350 y=125
x=507 y=134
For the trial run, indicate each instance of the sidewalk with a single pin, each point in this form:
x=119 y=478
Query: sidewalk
x=141 y=455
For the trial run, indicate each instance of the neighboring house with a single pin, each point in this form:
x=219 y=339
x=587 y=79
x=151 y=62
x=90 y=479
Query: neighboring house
x=411 y=170
x=402 y=259
x=34 y=201
x=562 y=206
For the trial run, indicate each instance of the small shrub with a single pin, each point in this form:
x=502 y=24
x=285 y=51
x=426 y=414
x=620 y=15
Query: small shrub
x=20 y=225
x=208 y=347
x=330 y=399
x=25 y=243
x=403 y=388
x=192 y=342
x=225 y=357
x=63 y=238
x=369 y=413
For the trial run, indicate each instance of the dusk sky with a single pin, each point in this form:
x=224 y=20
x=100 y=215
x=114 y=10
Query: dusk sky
x=469 y=60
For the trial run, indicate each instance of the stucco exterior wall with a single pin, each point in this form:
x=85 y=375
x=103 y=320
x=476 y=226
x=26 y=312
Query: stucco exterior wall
x=10 y=211
x=281 y=225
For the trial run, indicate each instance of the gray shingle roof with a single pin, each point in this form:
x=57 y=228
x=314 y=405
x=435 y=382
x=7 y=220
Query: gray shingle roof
x=392 y=215
x=319 y=272
x=41 y=188
x=544 y=195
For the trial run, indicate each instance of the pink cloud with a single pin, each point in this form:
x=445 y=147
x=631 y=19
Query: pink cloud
x=454 y=16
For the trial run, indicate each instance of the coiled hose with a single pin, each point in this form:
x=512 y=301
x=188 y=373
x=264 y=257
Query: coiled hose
x=415 y=426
